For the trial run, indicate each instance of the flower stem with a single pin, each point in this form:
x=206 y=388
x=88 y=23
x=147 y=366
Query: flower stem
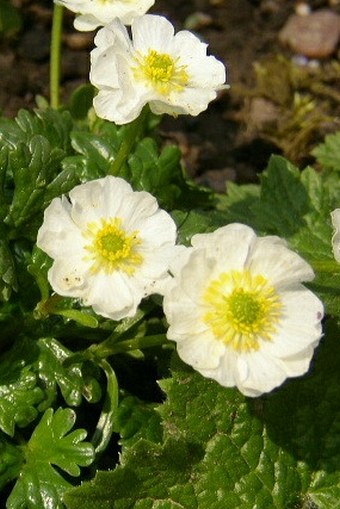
x=55 y=58
x=104 y=428
x=132 y=132
x=108 y=348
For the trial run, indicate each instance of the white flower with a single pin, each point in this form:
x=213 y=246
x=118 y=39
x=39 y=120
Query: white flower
x=336 y=237
x=110 y=245
x=172 y=73
x=94 y=13
x=238 y=311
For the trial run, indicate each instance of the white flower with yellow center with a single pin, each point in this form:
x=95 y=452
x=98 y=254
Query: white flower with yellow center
x=94 y=13
x=110 y=245
x=172 y=73
x=238 y=311
x=336 y=237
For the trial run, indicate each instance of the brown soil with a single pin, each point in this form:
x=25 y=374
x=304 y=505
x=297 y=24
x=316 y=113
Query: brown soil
x=215 y=145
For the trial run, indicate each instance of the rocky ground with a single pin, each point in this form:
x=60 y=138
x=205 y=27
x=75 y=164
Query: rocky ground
x=272 y=48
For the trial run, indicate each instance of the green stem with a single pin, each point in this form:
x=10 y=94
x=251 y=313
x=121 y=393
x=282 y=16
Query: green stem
x=132 y=132
x=55 y=55
x=47 y=307
x=104 y=428
x=106 y=349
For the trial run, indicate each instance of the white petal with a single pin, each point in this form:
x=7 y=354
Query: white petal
x=186 y=102
x=226 y=372
x=138 y=206
x=152 y=31
x=156 y=229
x=94 y=13
x=299 y=364
x=114 y=33
x=109 y=105
x=112 y=297
x=69 y=276
x=195 y=277
x=230 y=245
x=258 y=373
x=97 y=199
x=277 y=263
x=58 y=233
x=300 y=326
x=201 y=352
x=86 y=22
x=185 y=320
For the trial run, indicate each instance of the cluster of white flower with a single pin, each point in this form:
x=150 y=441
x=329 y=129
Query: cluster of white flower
x=234 y=302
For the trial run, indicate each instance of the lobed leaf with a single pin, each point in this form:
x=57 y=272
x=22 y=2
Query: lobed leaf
x=11 y=459
x=75 y=381
x=328 y=152
x=52 y=443
x=20 y=394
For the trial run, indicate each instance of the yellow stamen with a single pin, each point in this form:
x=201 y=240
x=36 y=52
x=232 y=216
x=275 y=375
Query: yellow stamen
x=243 y=310
x=111 y=248
x=161 y=71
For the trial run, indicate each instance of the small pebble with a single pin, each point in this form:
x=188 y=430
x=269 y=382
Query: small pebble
x=314 y=36
x=78 y=40
x=262 y=113
x=197 y=21
x=302 y=9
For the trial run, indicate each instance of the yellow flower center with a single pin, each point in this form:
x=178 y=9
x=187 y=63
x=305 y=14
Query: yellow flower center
x=111 y=248
x=243 y=310
x=161 y=71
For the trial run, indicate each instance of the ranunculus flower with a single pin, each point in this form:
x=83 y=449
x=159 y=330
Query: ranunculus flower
x=110 y=245
x=94 y=13
x=238 y=311
x=172 y=73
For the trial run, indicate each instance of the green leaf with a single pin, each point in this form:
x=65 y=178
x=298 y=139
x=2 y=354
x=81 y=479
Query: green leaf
x=55 y=126
x=96 y=152
x=239 y=202
x=81 y=101
x=283 y=200
x=8 y=281
x=162 y=175
x=328 y=153
x=38 y=267
x=313 y=241
x=196 y=221
x=11 y=459
x=52 y=443
x=221 y=449
x=136 y=419
x=32 y=166
x=32 y=152
x=75 y=381
x=19 y=391
x=31 y=372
